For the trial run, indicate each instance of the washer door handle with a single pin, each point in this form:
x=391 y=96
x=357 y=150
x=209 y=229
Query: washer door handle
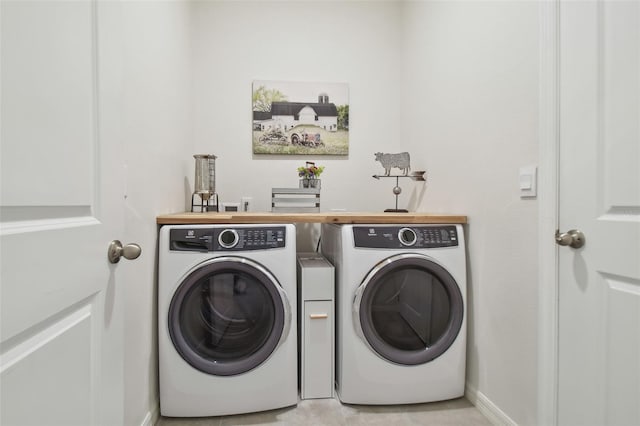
x=116 y=250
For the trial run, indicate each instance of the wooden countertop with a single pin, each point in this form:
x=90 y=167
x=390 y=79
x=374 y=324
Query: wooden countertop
x=327 y=217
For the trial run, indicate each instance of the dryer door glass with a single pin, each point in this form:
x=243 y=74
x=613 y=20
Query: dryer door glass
x=228 y=316
x=410 y=310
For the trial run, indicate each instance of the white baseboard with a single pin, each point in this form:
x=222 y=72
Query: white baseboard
x=151 y=418
x=491 y=411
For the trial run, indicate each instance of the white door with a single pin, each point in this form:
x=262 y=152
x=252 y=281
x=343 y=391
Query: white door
x=61 y=204
x=599 y=284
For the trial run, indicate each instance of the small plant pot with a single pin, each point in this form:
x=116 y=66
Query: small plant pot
x=310 y=183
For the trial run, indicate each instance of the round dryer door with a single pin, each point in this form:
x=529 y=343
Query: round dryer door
x=228 y=316
x=409 y=309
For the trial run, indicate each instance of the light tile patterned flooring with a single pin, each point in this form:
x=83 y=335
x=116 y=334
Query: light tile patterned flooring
x=310 y=412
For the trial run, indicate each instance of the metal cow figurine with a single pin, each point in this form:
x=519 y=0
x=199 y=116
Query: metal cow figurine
x=401 y=161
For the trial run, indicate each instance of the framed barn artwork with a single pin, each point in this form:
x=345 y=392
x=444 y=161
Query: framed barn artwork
x=300 y=118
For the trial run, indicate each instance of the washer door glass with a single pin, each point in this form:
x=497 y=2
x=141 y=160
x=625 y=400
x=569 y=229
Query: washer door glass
x=410 y=309
x=228 y=316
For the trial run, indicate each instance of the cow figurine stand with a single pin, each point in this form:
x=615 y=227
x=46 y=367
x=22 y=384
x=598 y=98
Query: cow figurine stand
x=416 y=176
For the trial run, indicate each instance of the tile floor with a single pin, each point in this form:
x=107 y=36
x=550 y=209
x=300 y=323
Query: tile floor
x=457 y=412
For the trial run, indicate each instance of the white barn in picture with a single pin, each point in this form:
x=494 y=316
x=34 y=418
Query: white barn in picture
x=287 y=115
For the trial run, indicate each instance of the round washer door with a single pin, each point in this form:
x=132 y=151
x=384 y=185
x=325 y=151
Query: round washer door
x=228 y=316
x=408 y=309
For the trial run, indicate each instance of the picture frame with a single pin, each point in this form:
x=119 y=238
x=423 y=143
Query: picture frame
x=299 y=118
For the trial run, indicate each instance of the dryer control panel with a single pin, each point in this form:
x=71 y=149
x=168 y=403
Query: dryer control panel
x=227 y=239
x=402 y=237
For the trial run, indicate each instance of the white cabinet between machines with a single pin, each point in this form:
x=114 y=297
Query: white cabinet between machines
x=316 y=325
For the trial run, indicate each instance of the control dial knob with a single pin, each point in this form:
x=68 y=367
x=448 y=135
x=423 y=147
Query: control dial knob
x=228 y=238
x=407 y=236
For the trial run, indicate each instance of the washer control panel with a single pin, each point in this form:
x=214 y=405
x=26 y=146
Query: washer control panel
x=227 y=239
x=402 y=237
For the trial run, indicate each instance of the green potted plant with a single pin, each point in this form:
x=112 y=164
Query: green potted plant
x=309 y=175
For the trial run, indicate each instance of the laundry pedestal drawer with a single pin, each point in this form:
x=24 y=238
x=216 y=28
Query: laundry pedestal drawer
x=316 y=326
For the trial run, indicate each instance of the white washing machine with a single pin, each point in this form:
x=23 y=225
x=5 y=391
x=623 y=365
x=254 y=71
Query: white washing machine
x=400 y=311
x=227 y=319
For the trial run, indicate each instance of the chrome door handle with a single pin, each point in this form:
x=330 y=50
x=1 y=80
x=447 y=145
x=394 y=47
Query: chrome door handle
x=572 y=238
x=116 y=250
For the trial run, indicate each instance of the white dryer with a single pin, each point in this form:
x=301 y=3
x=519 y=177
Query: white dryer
x=401 y=320
x=227 y=319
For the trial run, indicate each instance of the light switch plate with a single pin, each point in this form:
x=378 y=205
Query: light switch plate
x=528 y=181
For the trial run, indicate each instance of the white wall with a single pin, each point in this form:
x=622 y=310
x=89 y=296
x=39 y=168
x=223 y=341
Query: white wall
x=470 y=114
x=158 y=148
x=236 y=43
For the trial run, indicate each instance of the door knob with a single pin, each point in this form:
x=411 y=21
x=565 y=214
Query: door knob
x=116 y=250
x=572 y=238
